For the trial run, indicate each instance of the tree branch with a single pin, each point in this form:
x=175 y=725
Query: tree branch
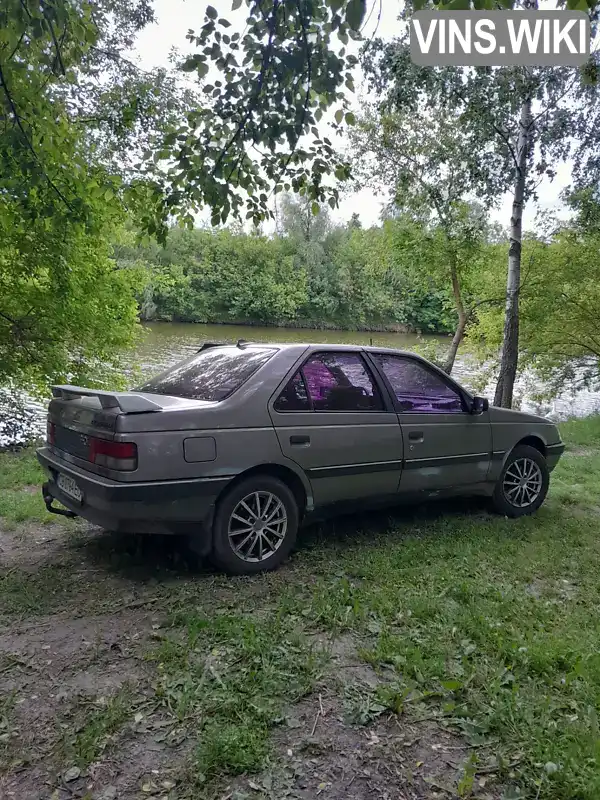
x=30 y=147
x=58 y=60
x=253 y=100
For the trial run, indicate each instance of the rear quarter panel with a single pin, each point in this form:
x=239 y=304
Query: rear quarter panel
x=240 y=426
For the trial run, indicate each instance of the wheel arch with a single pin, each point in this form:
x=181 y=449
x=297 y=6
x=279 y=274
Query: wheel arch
x=533 y=441
x=285 y=474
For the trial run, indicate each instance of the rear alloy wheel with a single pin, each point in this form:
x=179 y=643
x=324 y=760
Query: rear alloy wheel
x=255 y=526
x=523 y=484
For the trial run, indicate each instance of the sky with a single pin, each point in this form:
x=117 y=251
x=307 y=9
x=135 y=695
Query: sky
x=174 y=18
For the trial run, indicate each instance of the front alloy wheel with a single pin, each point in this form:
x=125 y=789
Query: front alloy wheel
x=523 y=483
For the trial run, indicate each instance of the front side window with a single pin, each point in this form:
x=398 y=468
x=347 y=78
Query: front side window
x=417 y=388
x=212 y=374
x=340 y=382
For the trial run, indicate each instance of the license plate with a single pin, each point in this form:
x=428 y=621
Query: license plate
x=69 y=487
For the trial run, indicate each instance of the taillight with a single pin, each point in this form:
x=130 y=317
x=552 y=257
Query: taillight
x=113 y=455
x=50 y=432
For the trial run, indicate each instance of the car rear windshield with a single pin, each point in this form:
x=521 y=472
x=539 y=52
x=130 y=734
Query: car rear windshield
x=212 y=374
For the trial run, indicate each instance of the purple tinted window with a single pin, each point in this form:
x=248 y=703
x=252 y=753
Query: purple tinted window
x=340 y=382
x=417 y=388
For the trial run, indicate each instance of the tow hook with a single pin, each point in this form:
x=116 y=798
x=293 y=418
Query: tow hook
x=48 y=500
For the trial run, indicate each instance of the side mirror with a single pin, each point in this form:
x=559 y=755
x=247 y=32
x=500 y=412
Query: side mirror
x=479 y=405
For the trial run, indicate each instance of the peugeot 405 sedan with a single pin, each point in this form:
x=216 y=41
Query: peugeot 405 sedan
x=239 y=445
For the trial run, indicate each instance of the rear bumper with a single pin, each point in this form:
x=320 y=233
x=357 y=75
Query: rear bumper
x=184 y=506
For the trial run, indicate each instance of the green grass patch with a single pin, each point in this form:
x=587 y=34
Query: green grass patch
x=91 y=728
x=228 y=679
x=47 y=589
x=489 y=625
x=24 y=505
x=21 y=479
x=7 y=702
x=581 y=432
x=20 y=469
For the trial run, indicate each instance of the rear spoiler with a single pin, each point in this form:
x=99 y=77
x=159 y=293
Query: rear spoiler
x=128 y=402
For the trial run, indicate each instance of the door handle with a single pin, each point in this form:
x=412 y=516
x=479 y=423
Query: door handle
x=300 y=441
x=415 y=436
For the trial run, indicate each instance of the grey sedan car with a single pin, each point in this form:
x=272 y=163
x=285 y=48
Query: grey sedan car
x=240 y=444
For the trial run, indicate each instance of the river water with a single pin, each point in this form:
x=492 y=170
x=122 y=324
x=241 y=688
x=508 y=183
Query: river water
x=165 y=343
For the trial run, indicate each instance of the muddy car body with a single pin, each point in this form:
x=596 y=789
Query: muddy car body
x=238 y=445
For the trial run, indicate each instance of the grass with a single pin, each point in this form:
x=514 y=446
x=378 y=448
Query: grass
x=90 y=732
x=42 y=591
x=581 y=432
x=21 y=479
x=229 y=678
x=486 y=626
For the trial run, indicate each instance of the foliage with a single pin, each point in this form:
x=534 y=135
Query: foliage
x=87 y=133
x=514 y=126
x=420 y=157
x=342 y=276
x=65 y=312
x=560 y=297
x=69 y=116
x=274 y=83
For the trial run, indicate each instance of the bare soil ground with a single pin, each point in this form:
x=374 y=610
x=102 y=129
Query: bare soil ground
x=81 y=715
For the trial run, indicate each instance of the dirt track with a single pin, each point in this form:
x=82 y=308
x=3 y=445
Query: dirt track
x=85 y=612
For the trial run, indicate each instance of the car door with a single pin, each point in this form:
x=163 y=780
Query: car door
x=445 y=446
x=335 y=420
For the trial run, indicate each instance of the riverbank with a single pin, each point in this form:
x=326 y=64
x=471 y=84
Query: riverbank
x=303 y=324
x=439 y=652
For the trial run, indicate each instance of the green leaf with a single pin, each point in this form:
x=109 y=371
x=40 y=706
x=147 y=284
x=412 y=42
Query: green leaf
x=355 y=13
x=315 y=208
x=339 y=116
x=236 y=4
x=350 y=118
x=211 y=12
x=451 y=685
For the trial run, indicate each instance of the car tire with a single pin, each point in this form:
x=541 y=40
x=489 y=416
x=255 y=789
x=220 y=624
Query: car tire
x=523 y=483
x=240 y=545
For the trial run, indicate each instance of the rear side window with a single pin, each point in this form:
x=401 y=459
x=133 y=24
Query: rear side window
x=213 y=374
x=294 y=397
x=331 y=382
x=340 y=382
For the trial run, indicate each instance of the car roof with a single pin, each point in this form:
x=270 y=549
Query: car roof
x=321 y=346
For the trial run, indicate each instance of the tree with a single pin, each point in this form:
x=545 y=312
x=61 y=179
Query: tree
x=75 y=109
x=420 y=156
x=62 y=303
x=518 y=122
x=559 y=301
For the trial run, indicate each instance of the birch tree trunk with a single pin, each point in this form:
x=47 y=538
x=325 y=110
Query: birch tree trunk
x=462 y=321
x=510 y=343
